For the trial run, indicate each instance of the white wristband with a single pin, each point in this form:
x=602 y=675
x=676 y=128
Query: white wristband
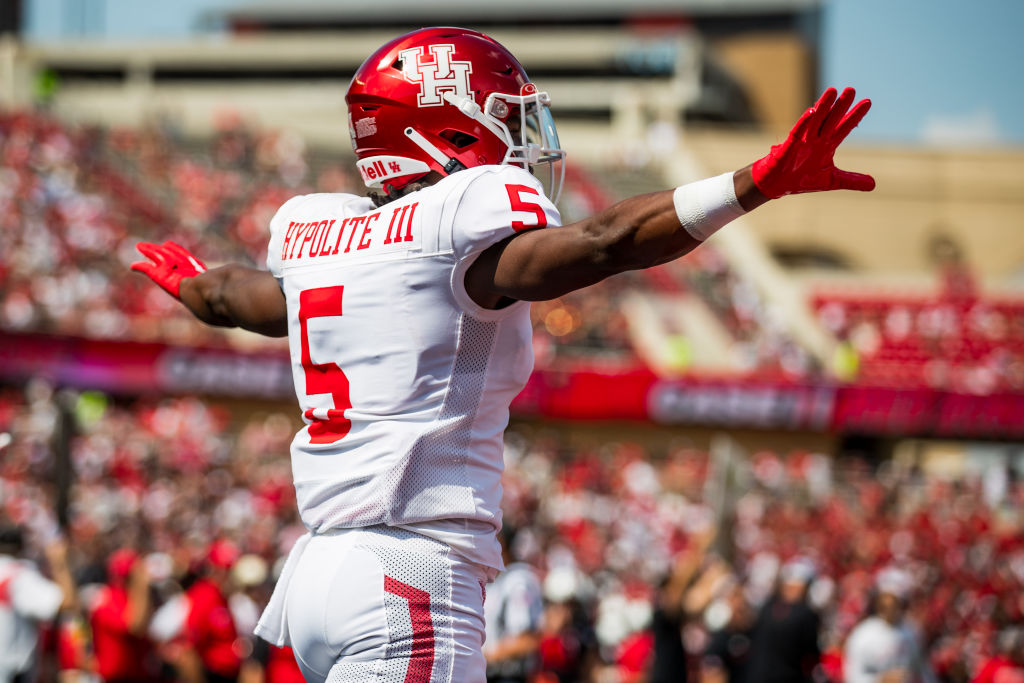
x=704 y=207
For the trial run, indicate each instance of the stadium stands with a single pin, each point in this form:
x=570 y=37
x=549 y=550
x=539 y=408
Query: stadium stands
x=602 y=521
x=79 y=198
x=130 y=446
x=959 y=341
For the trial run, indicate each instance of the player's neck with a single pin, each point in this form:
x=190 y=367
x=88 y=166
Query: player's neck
x=381 y=198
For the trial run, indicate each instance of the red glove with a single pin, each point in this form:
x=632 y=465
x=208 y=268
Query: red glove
x=803 y=163
x=168 y=265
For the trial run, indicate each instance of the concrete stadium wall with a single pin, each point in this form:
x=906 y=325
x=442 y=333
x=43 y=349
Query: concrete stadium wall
x=974 y=196
x=122 y=83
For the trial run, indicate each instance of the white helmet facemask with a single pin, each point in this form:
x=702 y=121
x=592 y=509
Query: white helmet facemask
x=524 y=123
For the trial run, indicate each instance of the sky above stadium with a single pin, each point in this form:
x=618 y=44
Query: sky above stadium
x=939 y=72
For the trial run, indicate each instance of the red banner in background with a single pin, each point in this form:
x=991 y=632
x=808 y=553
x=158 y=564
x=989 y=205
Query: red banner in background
x=133 y=368
x=641 y=395
x=742 y=404
x=878 y=410
x=582 y=395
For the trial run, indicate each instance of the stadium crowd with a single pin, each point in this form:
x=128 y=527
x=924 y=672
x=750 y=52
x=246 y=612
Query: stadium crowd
x=956 y=340
x=629 y=552
x=178 y=496
x=74 y=201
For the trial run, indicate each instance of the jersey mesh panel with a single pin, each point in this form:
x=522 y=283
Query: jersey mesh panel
x=432 y=476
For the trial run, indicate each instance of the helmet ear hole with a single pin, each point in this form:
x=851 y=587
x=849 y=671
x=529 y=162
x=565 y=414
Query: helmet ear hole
x=459 y=139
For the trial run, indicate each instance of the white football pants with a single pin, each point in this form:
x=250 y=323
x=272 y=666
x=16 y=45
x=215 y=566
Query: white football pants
x=388 y=605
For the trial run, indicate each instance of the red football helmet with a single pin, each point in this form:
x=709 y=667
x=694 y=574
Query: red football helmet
x=401 y=124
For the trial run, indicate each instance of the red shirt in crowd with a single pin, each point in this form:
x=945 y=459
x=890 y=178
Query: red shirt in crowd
x=1000 y=669
x=281 y=666
x=210 y=628
x=120 y=654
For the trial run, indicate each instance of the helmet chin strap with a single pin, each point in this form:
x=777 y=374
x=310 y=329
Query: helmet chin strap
x=450 y=164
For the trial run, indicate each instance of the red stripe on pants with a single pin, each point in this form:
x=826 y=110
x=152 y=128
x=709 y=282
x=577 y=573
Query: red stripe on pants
x=421 y=659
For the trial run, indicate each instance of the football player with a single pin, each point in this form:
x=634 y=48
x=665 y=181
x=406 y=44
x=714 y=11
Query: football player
x=407 y=315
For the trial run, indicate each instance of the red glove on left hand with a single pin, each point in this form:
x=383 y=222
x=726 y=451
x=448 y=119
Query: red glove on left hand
x=168 y=265
x=803 y=163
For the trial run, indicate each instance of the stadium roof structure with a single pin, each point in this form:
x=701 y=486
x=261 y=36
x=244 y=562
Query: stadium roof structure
x=392 y=12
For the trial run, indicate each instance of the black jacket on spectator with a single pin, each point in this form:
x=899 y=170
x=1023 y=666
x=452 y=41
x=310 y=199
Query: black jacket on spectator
x=669 y=664
x=729 y=649
x=784 y=643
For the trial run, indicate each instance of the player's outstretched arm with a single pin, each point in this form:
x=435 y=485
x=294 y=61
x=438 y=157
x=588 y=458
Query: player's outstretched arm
x=229 y=296
x=651 y=229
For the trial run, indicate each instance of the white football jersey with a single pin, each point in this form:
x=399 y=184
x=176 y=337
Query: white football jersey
x=404 y=382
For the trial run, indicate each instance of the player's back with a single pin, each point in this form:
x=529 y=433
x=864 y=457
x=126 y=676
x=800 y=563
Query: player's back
x=403 y=381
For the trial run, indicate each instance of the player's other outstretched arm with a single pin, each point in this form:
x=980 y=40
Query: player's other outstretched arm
x=651 y=229
x=238 y=296
x=229 y=296
x=639 y=232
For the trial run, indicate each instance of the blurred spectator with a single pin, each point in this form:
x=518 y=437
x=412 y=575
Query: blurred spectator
x=669 y=664
x=513 y=608
x=210 y=624
x=119 y=618
x=568 y=645
x=784 y=639
x=249 y=576
x=197 y=627
x=27 y=600
x=1007 y=664
x=884 y=648
x=261 y=661
x=727 y=655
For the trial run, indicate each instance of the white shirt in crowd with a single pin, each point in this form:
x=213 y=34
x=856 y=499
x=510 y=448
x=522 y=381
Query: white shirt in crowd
x=514 y=603
x=26 y=599
x=876 y=647
x=514 y=606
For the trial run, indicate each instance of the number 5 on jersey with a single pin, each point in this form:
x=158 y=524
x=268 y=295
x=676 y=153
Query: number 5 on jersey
x=323 y=378
x=515 y=198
